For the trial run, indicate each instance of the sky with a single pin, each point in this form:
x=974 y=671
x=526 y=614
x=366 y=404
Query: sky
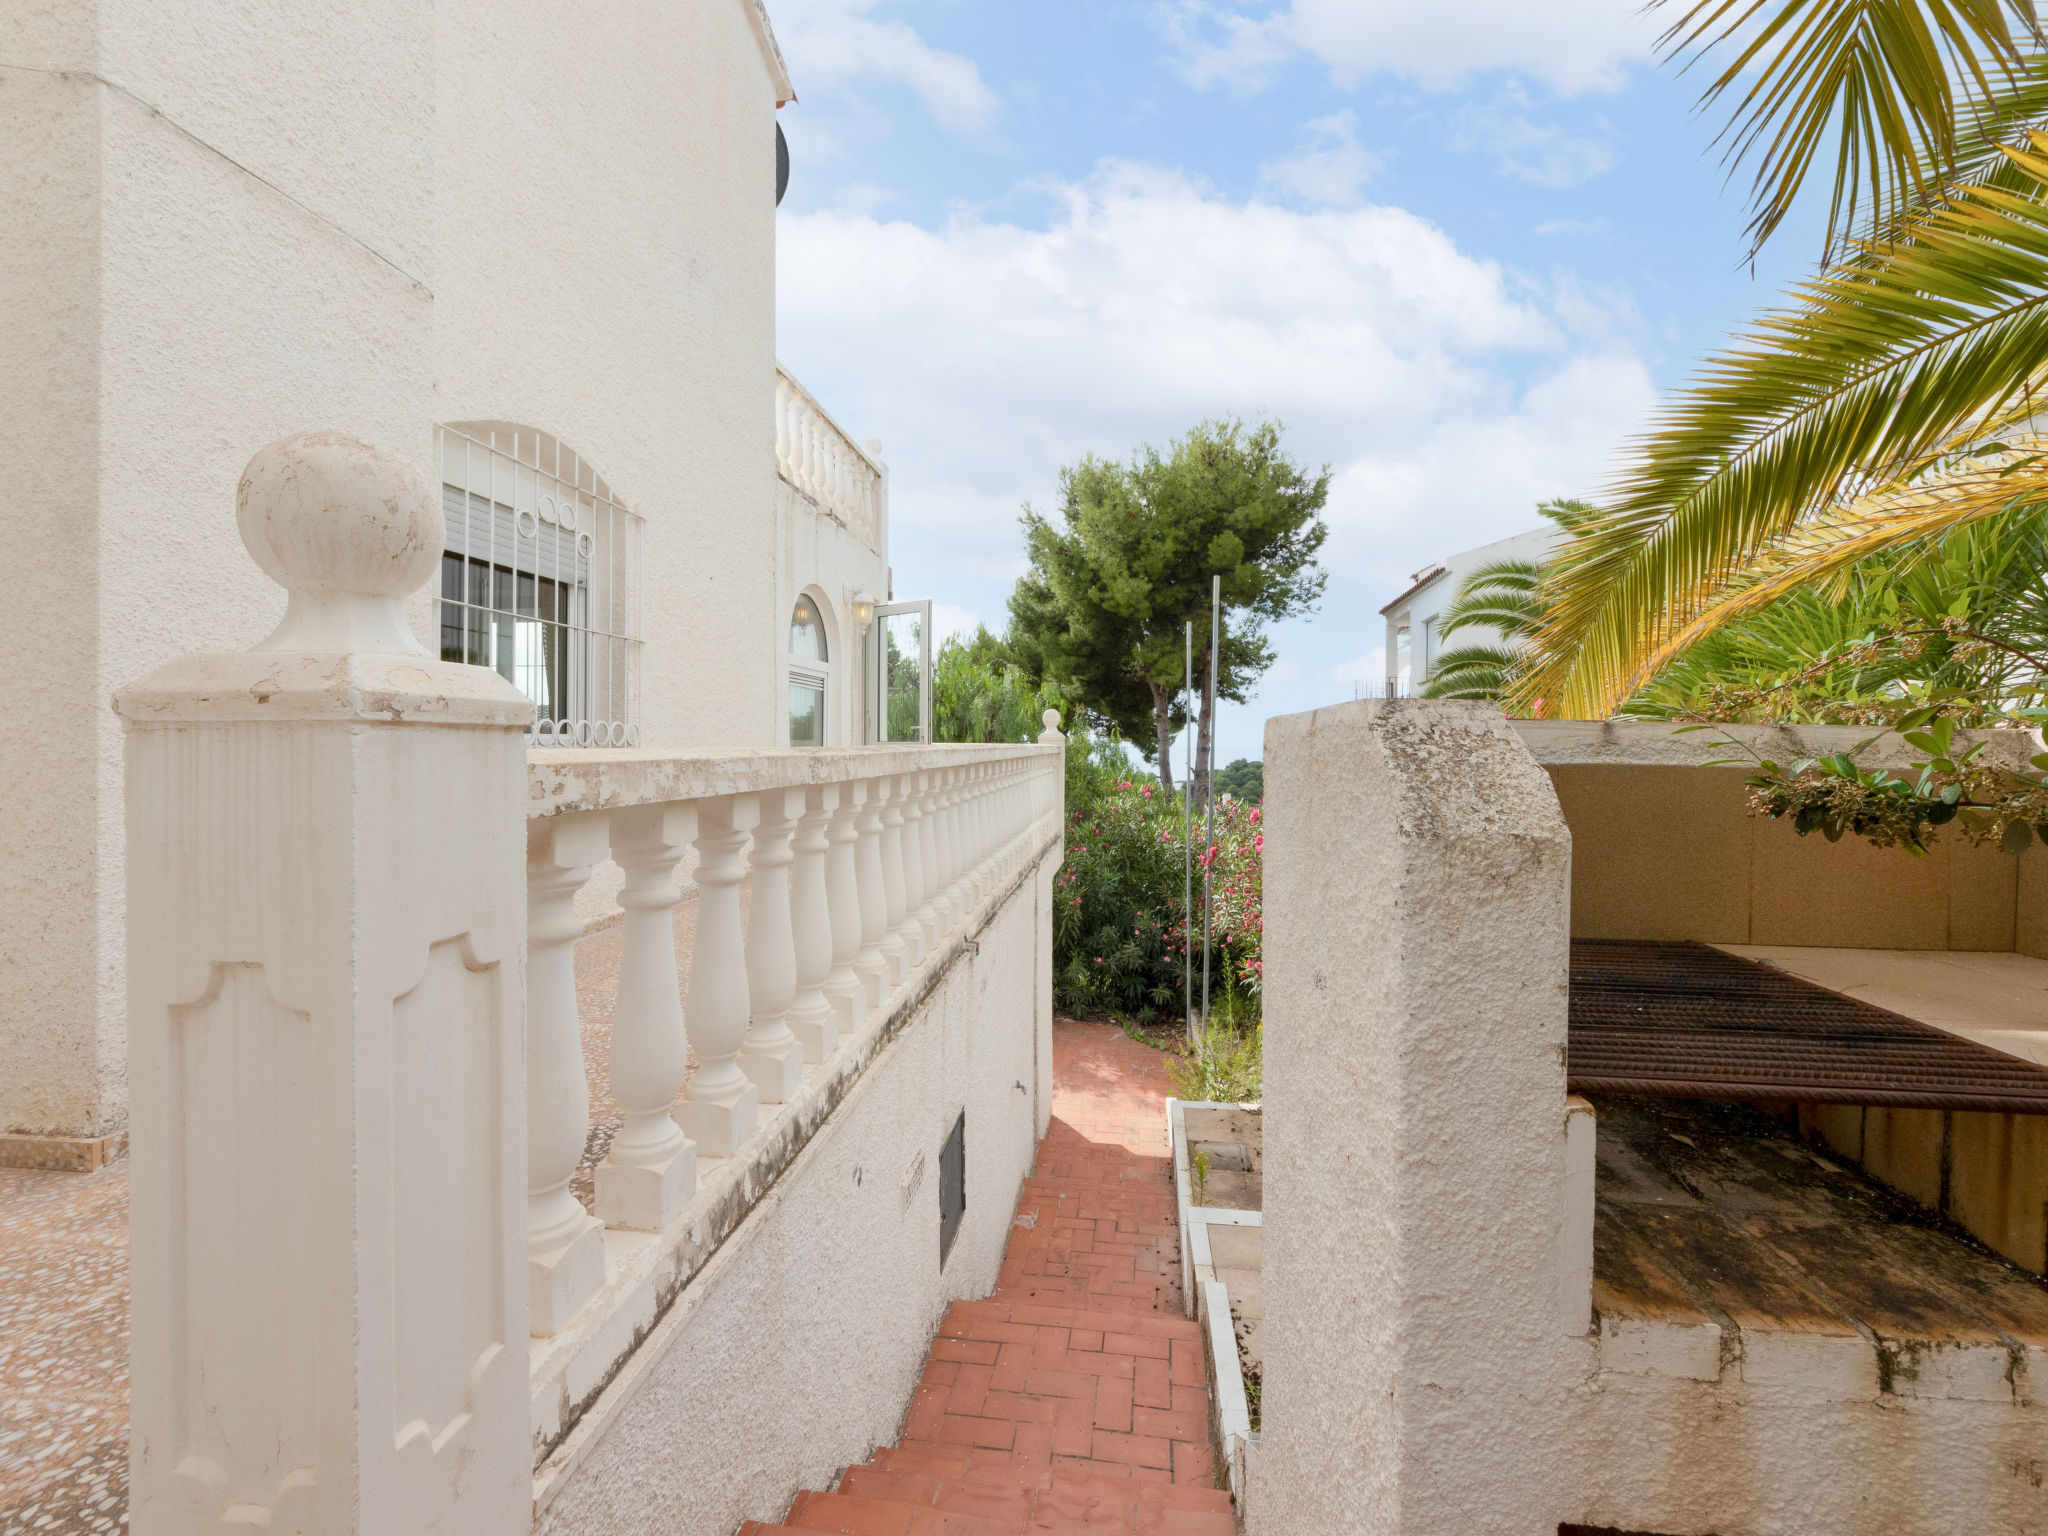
x=1458 y=249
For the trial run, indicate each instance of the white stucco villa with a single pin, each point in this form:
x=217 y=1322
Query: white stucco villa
x=1415 y=637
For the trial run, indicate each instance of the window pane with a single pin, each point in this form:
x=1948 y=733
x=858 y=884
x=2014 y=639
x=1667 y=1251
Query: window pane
x=806 y=632
x=903 y=705
x=806 y=714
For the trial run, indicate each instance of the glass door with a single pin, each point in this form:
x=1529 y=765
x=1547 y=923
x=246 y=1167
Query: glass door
x=900 y=682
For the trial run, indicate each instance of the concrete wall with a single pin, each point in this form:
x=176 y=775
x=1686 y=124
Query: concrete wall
x=228 y=222
x=1673 y=853
x=1421 y=1374
x=1664 y=847
x=834 y=1278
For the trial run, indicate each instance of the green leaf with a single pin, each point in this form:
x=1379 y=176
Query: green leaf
x=2016 y=837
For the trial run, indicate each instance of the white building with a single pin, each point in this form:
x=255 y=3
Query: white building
x=1415 y=618
x=533 y=255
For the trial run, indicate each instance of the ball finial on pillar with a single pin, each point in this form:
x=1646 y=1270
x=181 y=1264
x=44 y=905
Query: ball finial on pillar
x=349 y=531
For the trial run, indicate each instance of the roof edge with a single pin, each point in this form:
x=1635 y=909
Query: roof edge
x=771 y=51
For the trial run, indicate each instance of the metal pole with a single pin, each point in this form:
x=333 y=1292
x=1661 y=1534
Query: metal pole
x=1187 y=845
x=1209 y=782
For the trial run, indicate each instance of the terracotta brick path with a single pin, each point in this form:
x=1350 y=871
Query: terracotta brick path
x=1075 y=1398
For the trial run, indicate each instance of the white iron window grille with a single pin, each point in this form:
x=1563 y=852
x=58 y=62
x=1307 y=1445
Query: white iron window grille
x=540 y=581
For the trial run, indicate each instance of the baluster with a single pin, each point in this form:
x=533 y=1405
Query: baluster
x=893 y=948
x=984 y=832
x=719 y=1105
x=970 y=839
x=945 y=847
x=772 y=1058
x=813 y=1015
x=564 y=1242
x=917 y=938
x=650 y=1170
x=843 y=987
x=927 y=913
x=784 y=447
x=871 y=964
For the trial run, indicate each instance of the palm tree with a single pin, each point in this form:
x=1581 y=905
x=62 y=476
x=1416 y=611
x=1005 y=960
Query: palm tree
x=1892 y=401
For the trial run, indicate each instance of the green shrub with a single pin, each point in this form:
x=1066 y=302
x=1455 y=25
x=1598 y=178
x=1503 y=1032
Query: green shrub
x=1222 y=1065
x=1120 y=929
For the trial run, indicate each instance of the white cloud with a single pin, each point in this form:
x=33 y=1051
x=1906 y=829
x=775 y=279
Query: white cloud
x=832 y=43
x=1543 y=154
x=1448 y=393
x=950 y=622
x=1369 y=668
x=1329 y=166
x=1570 y=45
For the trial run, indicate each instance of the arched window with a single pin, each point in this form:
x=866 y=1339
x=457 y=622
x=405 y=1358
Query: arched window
x=810 y=674
x=540 y=580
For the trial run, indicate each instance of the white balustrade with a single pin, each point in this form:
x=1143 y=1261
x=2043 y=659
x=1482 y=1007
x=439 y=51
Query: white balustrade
x=815 y=455
x=650 y=1170
x=337 y=1178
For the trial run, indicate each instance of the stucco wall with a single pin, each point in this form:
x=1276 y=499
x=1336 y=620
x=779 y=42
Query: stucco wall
x=1673 y=853
x=230 y=266
x=51 y=1077
x=796 y=1350
x=604 y=271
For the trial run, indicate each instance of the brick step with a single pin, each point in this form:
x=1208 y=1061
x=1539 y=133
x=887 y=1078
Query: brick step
x=913 y=1474
x=1002 y=1319
x=843 y=1514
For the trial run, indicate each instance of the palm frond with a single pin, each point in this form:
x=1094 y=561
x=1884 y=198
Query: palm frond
x=1472 y=672
x=1820 y=553
x=1882 y=76
x=1882 y=369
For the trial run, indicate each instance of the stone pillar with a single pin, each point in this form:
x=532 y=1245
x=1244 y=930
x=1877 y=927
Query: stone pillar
x=1418 y=1365
x=325 y=918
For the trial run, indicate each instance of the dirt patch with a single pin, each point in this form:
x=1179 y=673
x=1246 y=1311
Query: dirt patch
x=1232 y=1157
